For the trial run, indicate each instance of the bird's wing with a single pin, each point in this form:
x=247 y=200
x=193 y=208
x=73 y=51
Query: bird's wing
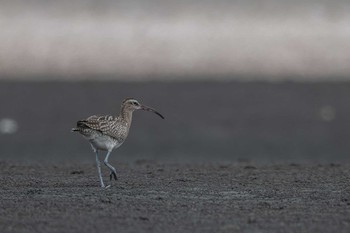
x=96 y=122
x=104 y=124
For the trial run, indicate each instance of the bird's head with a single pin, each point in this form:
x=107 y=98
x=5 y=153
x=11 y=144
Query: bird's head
x=131 y=104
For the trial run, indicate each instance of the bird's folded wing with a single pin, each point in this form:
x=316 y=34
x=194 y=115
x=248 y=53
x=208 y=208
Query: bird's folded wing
x=104 y=124
x=99 y=123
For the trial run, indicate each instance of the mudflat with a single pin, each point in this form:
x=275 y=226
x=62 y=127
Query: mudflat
x=151 y=196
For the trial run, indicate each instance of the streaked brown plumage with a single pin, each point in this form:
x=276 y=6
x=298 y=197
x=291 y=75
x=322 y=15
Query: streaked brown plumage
x=116 y=128
x=108 y=132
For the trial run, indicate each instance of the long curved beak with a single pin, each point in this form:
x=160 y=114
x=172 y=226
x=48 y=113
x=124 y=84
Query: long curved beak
x=145 y=108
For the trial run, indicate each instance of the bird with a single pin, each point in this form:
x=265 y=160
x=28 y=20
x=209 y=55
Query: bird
x=107 y=132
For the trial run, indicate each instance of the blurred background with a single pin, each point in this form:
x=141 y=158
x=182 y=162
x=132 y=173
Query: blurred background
x=238 y=80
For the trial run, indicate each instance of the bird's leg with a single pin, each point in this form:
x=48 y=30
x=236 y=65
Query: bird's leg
x=113 y=173
x=98 y=163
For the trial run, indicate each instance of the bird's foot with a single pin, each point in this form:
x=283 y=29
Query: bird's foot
x=112 y=175
x=103 y=186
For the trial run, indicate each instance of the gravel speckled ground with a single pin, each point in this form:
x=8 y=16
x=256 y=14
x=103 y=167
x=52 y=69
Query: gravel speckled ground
x=163 y=197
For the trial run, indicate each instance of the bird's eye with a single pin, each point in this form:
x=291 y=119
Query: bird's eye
x=135 y=103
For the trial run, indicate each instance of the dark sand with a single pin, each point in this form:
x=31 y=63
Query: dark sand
x=164 y=197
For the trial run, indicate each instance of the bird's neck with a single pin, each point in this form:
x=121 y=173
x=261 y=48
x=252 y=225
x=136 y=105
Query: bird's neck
x=126 y=115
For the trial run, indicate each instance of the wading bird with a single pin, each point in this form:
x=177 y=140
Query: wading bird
x=106 y=133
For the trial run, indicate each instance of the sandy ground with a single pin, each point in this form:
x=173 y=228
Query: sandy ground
x=162 y=197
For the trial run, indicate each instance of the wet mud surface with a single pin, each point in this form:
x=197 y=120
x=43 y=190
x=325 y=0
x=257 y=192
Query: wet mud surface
x=163 y=197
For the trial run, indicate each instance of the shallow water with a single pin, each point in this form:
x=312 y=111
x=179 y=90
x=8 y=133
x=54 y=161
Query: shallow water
x=205 y=121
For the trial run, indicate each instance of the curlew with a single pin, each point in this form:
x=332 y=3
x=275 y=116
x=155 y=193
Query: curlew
x=106 y=133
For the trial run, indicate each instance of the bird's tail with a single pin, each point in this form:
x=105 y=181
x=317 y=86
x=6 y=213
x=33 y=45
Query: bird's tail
x=75 y=130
